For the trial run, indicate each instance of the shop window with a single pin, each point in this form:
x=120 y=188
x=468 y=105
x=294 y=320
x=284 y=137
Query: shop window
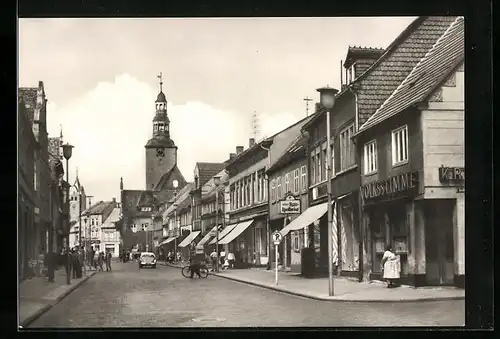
x=347 y=148
x=370 y=157
x=400 y=145
x=303 y=177
x=296 y=242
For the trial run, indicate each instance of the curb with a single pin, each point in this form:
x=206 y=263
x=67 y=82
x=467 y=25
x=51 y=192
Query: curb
x=26 y=322
x=334 y=299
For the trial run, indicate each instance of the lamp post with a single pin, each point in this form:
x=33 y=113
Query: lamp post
x=67 y=153
x=88 y=239
x=327 y=100
x=175 y=183
x=217 y=183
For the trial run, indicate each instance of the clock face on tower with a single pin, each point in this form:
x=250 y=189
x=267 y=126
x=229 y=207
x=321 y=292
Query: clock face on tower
x=160 y=152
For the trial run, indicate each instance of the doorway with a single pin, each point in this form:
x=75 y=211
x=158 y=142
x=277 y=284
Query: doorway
x=439 y=249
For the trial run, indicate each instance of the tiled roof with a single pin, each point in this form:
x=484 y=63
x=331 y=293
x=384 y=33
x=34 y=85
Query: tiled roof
x=129 y=199
x=160 y=141
x=207 y=170
x=297 y=146
x=211 y=188
x=165 y=178
x=363 y=51
x=54 y=147
x=378 y=82
x=99 y=208
x=435 y=66
x=182 y=199
x=113 y=217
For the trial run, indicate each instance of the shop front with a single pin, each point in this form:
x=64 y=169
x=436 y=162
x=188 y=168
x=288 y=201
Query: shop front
x=392 y=218
x=240 y=240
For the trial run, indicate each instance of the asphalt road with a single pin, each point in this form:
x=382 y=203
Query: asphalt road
x=162 y=297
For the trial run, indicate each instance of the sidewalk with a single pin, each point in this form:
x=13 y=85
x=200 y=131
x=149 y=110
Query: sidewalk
x=345 y=289
x=37 y=295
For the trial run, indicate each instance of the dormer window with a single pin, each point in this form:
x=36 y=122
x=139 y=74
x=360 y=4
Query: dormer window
x=351 y=73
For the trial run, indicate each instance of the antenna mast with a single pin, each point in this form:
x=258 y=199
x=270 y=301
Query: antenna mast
x=255 y=125
x=307 y=99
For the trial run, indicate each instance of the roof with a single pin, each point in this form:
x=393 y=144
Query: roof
x=378 y=82
x=446 y=54
x=160 y=140
x=161 y=97
x=298 y=146
x=165 y=178
x=358 y=51
x=278 y=142
x=182 y=199
x=28 y=96
x=207 y=170
x=211 y=188
x=99 y=208
x=113 y=217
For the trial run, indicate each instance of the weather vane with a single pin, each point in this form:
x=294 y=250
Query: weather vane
x=160 y=76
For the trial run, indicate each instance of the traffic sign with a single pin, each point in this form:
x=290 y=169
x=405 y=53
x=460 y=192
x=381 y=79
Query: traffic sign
x=277 y=237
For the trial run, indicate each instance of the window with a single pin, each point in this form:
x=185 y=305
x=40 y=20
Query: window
x=313 y=169
x=273 y=190
x=259 y=187
x=278 y=188
x=296 y=185
x=35 y=185
x=303 y=175
x=287 y=183
x=325 y=161
x=370 y=157
x=332 y=146
x=318 y=165
x=296 y=242
x=400 y=145
x=347 y=149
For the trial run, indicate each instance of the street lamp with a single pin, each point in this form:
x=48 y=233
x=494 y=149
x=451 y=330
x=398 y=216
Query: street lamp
x=327 y=100
x=217 y=183
x=175 y=183
x=67 y=152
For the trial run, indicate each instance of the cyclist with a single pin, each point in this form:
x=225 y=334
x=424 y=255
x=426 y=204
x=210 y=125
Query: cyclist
x=194 y=266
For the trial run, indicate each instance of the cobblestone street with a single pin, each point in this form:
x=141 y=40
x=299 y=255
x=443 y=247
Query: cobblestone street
x=162 y=297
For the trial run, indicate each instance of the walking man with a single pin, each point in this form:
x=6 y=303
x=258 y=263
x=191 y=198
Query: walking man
x=50 y=263
x=108 y=261
x=213 y=257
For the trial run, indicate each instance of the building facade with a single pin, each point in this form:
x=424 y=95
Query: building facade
x=27 y=146
x=412 y=159
x=110 y=236
x=93 y=220
x=290 y=171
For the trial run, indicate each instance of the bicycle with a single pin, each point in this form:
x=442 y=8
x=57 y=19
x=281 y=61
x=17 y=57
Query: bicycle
x=186 y=272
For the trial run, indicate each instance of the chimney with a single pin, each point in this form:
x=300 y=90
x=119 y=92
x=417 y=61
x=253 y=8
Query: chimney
x=114 y=200
x=239 y=149
x=251 y=142
x=232 y=155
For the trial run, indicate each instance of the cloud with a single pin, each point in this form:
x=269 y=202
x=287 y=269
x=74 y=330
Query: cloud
x=110 y=124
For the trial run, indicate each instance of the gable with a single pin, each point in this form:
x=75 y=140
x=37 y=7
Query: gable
x=452 y=89
x=166 y=181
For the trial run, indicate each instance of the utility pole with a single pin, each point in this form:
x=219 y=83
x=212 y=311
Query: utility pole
x=88 y=239
x=307 y=99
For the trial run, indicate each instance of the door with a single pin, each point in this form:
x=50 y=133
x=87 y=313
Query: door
x=439 y=251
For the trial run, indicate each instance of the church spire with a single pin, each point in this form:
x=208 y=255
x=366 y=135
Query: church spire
x=160 y=77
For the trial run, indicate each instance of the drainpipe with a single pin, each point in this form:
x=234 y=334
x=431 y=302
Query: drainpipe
x=268 y=234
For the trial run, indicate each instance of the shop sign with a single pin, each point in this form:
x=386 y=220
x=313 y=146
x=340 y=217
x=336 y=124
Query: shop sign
x=393 y=186
x=290 y=205
x=451 y=174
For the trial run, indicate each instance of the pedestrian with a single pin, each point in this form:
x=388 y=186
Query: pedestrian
x=108 y=261
x=83 y=267
x=74 y=259
x=39 y=264
x=222 y=257
x=169 y=256
x=230 y=259
x=178 y=256
x=213 y=258
x=390 y=267
x=50 y=263
x=100 y=261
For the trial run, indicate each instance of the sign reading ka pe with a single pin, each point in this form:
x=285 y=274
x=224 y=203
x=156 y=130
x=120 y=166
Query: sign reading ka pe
x=290 y=205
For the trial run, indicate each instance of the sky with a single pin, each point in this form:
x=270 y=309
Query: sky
x=100 y=78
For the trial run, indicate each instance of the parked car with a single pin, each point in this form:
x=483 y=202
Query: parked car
x=147 y=259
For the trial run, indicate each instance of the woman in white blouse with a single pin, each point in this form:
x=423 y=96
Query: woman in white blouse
x=390 y=267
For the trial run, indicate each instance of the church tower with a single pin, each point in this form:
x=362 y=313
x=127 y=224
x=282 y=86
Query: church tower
x=161 y=152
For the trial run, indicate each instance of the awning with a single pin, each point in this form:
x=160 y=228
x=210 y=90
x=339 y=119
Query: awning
x=240 y=228
x=169 y=240
x=163 y=242
x=309 y=216
x=189 y=239
x=207 y=237
x=222 y=234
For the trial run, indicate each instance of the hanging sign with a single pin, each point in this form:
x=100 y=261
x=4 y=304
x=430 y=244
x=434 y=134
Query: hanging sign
x=290 y=205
